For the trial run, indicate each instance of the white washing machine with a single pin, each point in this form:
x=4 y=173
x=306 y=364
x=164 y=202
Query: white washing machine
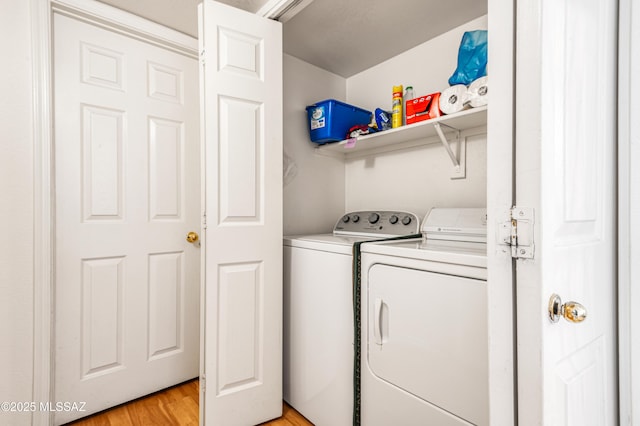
x=318 y=313
x=424 y=325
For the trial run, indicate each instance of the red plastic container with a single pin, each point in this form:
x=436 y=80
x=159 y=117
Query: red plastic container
x=423 y=108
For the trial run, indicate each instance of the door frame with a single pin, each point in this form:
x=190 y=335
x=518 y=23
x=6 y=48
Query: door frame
x=628 y=212
x=113 y=19
x=501 y=314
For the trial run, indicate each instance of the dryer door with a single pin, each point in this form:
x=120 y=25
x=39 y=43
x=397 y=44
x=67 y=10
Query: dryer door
x=427 y=335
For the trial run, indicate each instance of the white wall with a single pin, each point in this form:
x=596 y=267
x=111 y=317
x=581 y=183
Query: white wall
x=415 y=179
x=426 y=67
x=16 y=209
x=314 y=190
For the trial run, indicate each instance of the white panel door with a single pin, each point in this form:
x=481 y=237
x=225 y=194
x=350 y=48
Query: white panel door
x=241 y=75
x=127 y=172
x=566 y=168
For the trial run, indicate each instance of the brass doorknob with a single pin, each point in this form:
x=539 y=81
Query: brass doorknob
x=192 y=237
x=571 y=311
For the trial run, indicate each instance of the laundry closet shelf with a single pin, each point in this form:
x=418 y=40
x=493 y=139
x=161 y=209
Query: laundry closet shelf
x=424 y=132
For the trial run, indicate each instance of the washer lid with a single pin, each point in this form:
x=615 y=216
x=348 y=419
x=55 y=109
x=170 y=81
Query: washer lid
x=345 y=240
x=456 y=224
x=342 y=244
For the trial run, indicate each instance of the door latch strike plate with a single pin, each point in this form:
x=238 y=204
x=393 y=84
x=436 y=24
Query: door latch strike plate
x=518 y=232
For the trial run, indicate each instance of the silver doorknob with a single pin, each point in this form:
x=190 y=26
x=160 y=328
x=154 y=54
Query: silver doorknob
x=571 y=311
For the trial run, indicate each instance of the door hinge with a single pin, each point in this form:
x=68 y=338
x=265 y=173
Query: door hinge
x=204 y=221
x=203 y=384
x=202 y=57
x=517 y=232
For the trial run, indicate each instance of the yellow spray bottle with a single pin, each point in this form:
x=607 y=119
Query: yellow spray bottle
x=396 y=107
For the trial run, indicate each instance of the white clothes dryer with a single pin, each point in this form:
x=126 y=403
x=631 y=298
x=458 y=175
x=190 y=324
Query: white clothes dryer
x=318 y=313
x=424 y=325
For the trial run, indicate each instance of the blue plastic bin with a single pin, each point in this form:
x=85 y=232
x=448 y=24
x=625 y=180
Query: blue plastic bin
x=330 y=120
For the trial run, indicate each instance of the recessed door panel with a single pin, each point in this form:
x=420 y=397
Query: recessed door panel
x=166 y=303
x=583 y=370
x=166 y=174
x=580 y=148
x=165 y=83
x=103 y=167
x=241 y=140
x=240 y=53
x=102 y=310
x=241 y=346
x=102 y=67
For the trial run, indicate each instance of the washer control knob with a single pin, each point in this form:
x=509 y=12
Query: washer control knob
x=345 y=218
x=406 y=220
x=393 y=219
x=374 y=217
x=355 y=218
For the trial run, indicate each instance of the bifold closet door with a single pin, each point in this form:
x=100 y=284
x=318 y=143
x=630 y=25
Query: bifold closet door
x=241 y=75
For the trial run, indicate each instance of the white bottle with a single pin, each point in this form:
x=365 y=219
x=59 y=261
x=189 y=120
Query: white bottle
x=408 y=95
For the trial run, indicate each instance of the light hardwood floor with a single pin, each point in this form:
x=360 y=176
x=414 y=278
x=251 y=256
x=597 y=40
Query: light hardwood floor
x=174 y=406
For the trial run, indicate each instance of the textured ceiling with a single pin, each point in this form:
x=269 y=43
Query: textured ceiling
x=347 y=37
x=341 y=36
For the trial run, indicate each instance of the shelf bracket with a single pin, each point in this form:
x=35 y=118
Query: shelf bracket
x=458 y=157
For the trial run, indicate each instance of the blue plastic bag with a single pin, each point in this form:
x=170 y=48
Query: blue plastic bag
x=472 y=58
